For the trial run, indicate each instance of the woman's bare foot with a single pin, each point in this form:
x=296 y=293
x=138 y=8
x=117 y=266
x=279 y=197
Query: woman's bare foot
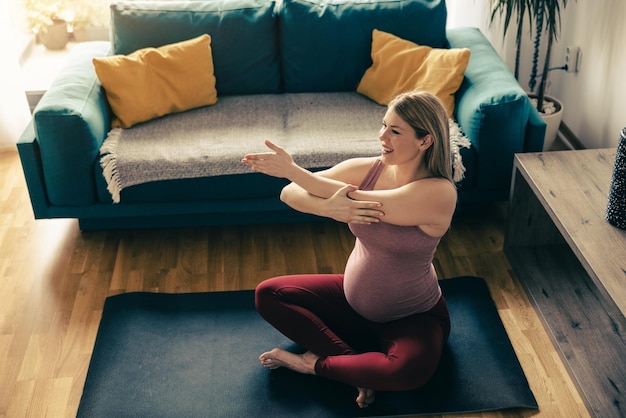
x=301 y=363
x=365 y=398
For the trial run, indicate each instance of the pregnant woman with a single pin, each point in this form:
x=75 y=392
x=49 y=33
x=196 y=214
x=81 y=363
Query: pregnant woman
x=382 y=324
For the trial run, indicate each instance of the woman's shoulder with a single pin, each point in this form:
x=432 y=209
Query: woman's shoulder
x=435 y=193
x=437 y=186
x=351 y=171
x=359 y=162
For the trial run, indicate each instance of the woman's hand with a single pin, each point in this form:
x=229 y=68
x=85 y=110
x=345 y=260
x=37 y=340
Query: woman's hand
x=278 y=163
x=342 y=208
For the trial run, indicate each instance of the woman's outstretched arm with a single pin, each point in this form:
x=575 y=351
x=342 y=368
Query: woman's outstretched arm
x=315 y=193
x=428 y=202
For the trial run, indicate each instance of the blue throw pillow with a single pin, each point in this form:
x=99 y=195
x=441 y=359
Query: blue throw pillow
x=243 y=37
x=325 y=44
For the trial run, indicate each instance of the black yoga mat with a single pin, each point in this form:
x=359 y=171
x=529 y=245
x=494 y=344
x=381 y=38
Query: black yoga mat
x=195 y=355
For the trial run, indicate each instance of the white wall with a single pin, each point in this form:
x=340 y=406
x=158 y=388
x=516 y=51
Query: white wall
x=14 y=111
x=594 y=98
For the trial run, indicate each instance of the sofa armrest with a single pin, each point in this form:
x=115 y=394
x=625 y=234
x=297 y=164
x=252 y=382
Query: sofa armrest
x=493 y=110
x=70 y=124
x=535 y=132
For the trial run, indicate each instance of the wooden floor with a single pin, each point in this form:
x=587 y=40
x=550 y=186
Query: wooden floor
x=54 y=280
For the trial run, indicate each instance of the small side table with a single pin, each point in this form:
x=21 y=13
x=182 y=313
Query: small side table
x=572 y=263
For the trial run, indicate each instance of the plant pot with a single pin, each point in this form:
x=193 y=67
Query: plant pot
x=55 y=36
x=552 y=120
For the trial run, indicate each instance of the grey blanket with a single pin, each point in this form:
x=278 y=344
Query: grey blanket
x=318 y=129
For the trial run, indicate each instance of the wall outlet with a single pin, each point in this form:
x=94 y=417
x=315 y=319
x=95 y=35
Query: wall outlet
x=572 y=58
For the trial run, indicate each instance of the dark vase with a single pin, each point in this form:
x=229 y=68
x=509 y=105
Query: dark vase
x=616 y=208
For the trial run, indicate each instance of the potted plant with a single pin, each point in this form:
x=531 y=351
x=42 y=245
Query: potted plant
x=546 y=17
x=47 y=20
x=548 y=11
x=548 y=21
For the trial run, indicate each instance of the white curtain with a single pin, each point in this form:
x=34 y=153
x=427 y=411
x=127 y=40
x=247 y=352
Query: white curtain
x=14 y=111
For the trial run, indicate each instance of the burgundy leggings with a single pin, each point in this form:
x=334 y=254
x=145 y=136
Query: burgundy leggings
x=312 y=311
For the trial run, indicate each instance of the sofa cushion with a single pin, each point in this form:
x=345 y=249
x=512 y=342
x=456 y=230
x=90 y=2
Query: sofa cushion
x=400 y=65
x=325 y=44
x=153 y=82
x=319 y=130
x=243 y=37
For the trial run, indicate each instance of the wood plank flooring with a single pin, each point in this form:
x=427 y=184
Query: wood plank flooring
x=54 y=280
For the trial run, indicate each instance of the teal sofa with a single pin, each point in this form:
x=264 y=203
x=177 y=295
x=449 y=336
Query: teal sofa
x=260 y=48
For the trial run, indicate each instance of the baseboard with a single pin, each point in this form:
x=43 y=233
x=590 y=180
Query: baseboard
x=568 y=137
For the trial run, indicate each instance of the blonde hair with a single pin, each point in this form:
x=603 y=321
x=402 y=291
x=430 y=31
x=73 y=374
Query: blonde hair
x=426 y=114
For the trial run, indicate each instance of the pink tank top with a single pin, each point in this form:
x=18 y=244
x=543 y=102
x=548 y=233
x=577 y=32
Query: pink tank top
x=389 y=274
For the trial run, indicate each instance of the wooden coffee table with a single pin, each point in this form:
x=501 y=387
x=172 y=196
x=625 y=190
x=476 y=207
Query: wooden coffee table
x=572 y=263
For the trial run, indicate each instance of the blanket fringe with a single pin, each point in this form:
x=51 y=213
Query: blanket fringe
x=108 y=162
x=457 y=140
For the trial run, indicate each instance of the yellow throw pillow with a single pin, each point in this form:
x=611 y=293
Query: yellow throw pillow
x=154 y=82
x=400 y=65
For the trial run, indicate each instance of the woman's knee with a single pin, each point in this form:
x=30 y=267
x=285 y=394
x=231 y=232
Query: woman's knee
x=275 y=292
x=265 y=294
